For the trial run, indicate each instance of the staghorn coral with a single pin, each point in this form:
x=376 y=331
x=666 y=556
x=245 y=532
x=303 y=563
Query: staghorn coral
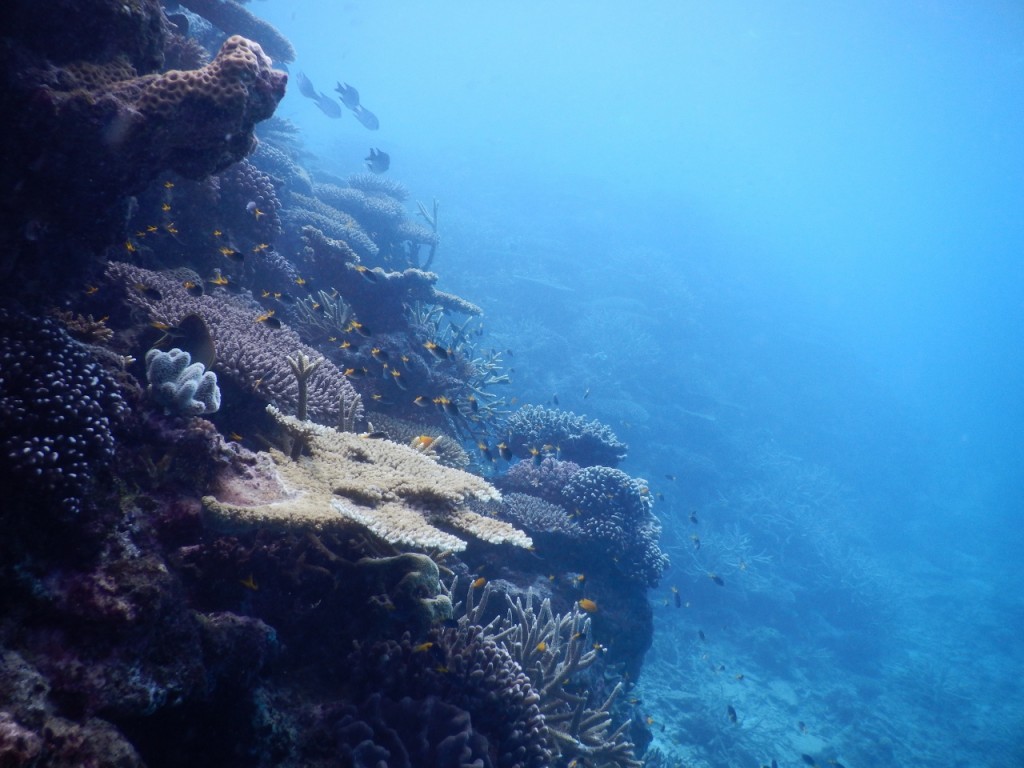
x=463 y=667
x=552 y=650
x=392 y=490
x=588 y=443
x=252 y=354
x=378 y=297
x=235 y=19
x=58 y=411
x=614 y=510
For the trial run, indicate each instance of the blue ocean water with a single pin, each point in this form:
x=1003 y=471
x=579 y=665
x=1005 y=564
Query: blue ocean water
x=779 y=248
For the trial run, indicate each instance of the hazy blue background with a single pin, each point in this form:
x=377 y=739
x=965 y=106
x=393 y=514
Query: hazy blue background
x=771 y=238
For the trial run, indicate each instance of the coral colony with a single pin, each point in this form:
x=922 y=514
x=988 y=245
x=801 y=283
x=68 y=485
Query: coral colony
x=241 y=523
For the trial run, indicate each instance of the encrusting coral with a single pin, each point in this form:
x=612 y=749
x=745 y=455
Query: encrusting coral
x=394 y=491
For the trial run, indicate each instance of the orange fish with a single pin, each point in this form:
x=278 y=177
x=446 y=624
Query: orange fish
x=588 y=605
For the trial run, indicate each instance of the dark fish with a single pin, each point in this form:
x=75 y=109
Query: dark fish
x=366 y=273
x=717 y=579
x=774 y=763
x=693 y=517
x=504 y=451
x=306 y=87
x=192 y=288
x=193 y=336
x=732 y=714
x=328 y=106
x=148 y=292
x=700 y=634
x=670 y=477
x=367 y=118
x=180 y=22
x=376 y=435
x=586 y=393
x=808 y=759
x=378 y=161
x=349 y=95
x=679 y=598
x=554 y=398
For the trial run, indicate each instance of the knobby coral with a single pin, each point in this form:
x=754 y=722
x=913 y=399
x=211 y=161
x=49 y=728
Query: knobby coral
x=58 y=410
x=572 y=437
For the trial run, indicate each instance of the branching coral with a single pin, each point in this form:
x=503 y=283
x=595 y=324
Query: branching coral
x=393 y=490
x=251 y=353
x=572 y=437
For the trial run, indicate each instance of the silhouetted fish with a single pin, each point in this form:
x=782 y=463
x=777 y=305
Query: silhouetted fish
x=328 y=106
x=378 y=161
x=306 y=87
x=193 y=336
x=367 y=118
x=349 y=95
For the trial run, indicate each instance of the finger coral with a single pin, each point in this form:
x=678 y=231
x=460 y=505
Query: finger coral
x=58 y=410
x=392 y=490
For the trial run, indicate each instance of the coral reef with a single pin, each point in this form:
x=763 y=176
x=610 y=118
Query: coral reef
x=58 y=412
x=90 y=135
x=545 y=480
x=179 y=385
x=392 y=490
x=534 y=430
x=235 y=19
x=614 y=510
x=248 y=352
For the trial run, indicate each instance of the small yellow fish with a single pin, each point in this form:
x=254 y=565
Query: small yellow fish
x=588 y=605
x=152 y=228
x=258 y=213
x=129 y=246
x=168 y=185
x=478 y=583
x=90 y=290
x=249 y=583
x=422 y=647
x=217 y=233
x=165 y=207
x=218 y=279
x=542 y=646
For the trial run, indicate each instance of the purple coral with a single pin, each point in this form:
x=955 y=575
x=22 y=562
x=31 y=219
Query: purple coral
x=545 y=480
x=251 y=353
x=58 y=410
x=614 y=510
x=249 y=202
x=588 y=443
x=538 y=516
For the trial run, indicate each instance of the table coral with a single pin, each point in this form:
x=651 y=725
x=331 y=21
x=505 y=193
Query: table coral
x=393 y=490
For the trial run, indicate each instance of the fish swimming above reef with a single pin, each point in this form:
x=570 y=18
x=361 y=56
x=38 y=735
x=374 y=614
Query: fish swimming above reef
x=366 y=117
x=378 y=161
x=325 y=103
x=349 y=95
